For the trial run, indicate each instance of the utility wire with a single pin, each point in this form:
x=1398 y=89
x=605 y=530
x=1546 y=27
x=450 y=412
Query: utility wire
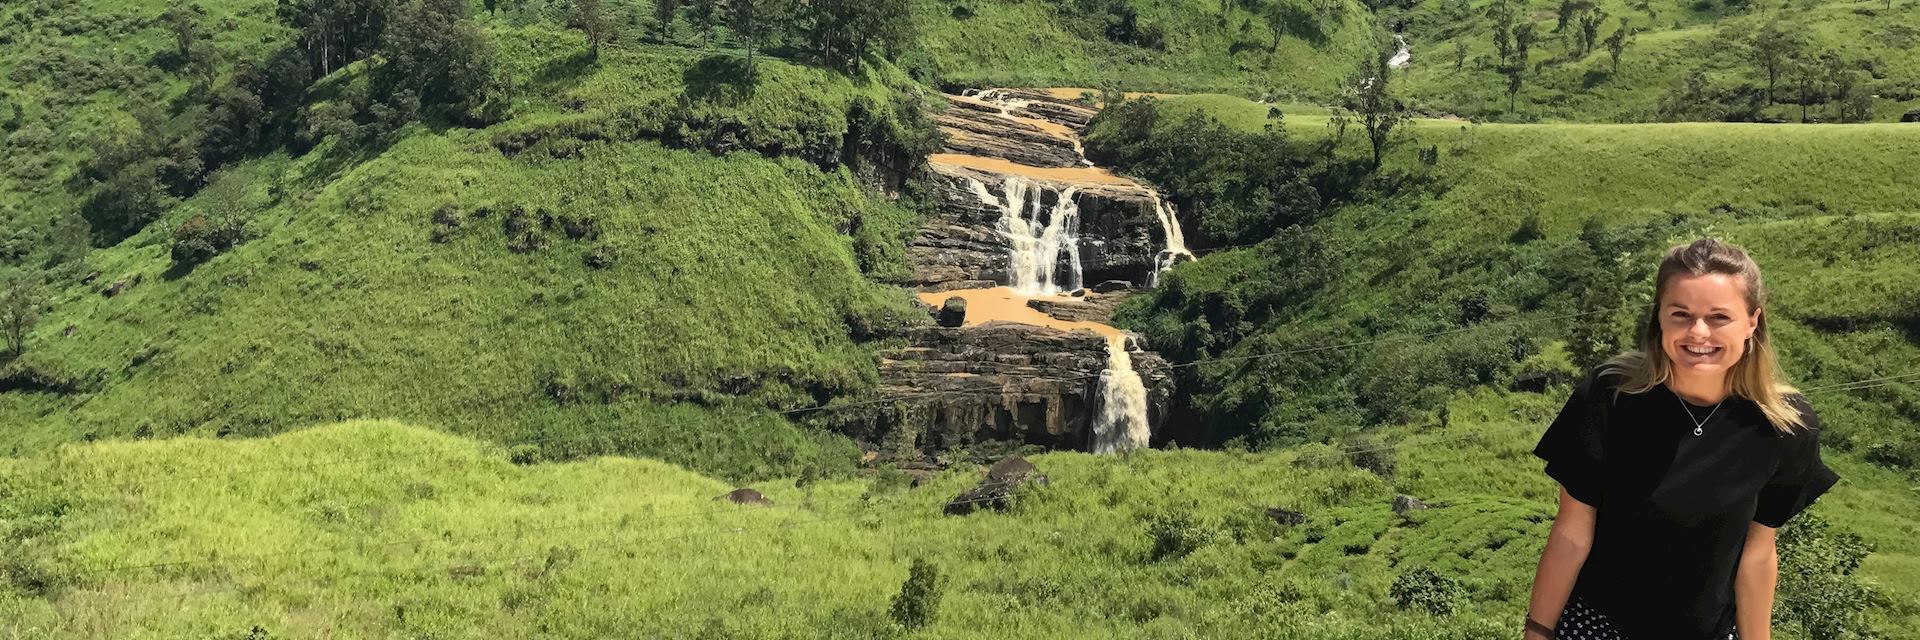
x=555 y=438
x=628 y=519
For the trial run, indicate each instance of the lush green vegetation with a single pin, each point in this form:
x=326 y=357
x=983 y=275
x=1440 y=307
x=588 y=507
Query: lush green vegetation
x=465 y=543
x=641 y=230
x=1823 y=54
x=1279 y=47
x=568 y=269
x=1499 y=226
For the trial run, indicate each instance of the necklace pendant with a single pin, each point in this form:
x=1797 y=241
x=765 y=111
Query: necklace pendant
x=1696 y=430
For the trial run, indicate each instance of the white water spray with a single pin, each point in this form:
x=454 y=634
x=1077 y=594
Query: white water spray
x=1176 y=243
x=1036 y=238
x=1122 y=423
x=1403 y=56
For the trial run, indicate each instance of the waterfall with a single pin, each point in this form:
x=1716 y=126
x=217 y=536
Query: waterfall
x=1403 y=56
x=1122 y=423
x=1036 y=238
x=1176 y=243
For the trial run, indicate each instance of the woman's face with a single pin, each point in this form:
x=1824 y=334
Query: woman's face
x=1704 y=324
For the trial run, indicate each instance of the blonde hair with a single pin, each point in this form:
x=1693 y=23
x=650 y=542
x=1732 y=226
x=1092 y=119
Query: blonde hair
x=1755 y=377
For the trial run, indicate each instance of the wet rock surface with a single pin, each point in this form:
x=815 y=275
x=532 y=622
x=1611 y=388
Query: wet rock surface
x=999 y=381
x=960 y=246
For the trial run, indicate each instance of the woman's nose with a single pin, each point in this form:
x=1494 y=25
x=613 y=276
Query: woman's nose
x=1699 y=329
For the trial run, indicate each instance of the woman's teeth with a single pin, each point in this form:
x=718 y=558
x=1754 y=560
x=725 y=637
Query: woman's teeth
x=1700 y=351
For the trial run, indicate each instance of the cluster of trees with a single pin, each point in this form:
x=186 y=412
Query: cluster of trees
x=1794 y=71
x=1513 y=42
x=434 y=61
x=833 y=33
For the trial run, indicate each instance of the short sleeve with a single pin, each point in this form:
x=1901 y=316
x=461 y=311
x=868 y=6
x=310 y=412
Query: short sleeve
x=1801 y=476
x=1572 y=444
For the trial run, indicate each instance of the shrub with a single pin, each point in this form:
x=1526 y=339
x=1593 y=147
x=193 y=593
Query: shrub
x=1419 y=587
x=1818 y=590
x=919 y=598
x=1178 y=533
x=198 y=239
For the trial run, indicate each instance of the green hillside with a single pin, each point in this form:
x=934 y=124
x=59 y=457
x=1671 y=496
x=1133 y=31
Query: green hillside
x=1499 y=222
x=1874 y=46
x=1284 y=47
x=559 y=272
x=468 y=544
x=459 y=333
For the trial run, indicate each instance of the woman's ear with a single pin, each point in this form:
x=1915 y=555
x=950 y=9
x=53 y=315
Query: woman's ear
x=1755 y=323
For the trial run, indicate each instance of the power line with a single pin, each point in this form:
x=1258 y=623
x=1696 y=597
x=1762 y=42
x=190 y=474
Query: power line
x=126 y=485
x=628 y=520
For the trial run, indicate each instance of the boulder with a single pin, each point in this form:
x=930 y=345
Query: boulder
x=1404 y=503
x=1111 y=286
x=1537 y=381
x=953 y=312
x=997 y=490
x=1097 y=308
x=746 y=496
x=1285 y=517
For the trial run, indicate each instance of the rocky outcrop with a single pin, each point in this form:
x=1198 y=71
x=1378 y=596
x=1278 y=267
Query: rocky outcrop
x=1094 y=308
x=746 y=497
x=958 y=246
x=998 y=381
x=970 y=130
x=1005 y=479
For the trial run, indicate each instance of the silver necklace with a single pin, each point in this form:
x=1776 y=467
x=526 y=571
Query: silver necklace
x=1697 y=424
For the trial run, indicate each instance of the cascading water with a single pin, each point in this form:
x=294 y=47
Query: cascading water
x=1122 y=423
x=1176 y=243
x=1036 y=239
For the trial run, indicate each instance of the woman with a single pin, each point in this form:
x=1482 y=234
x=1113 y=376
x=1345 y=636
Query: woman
x=1676 y=463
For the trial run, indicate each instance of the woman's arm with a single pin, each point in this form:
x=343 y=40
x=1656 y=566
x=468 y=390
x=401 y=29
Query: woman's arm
x=1753 y=584
x=1560 y=562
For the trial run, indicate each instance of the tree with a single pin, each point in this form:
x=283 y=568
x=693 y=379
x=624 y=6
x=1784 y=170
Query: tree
x=435 y=58
x=841 y=32
x=1459 y=54
x=1368 y=96
x=1772 y=49
x=1566 y=12
x=590 y=17
x=184 y=21
x=1807 y=77
x=1502 y=14
x=1590 y=22
x=1617 y=43
x=18 y=311
x=663 y=13
x=1516 y=67
x=1690 y=99
x=706 y=15
x=919 y=599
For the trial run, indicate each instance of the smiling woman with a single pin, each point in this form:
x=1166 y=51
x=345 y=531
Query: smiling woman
x=1686 y=549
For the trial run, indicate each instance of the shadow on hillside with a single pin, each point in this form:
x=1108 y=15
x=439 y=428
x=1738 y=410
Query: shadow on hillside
x=1303 y=24
x=718 y=79
x=562 y=73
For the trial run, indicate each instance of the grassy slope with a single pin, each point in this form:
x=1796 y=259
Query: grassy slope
x=1835 y=228
x=1018 y=43
x=602 y=546
x=1678 y=40
x=731 y=279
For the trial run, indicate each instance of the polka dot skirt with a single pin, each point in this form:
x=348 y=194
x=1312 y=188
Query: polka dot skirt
x=1580 y=622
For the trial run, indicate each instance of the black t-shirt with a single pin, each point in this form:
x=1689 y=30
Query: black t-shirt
x=1673 y=507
